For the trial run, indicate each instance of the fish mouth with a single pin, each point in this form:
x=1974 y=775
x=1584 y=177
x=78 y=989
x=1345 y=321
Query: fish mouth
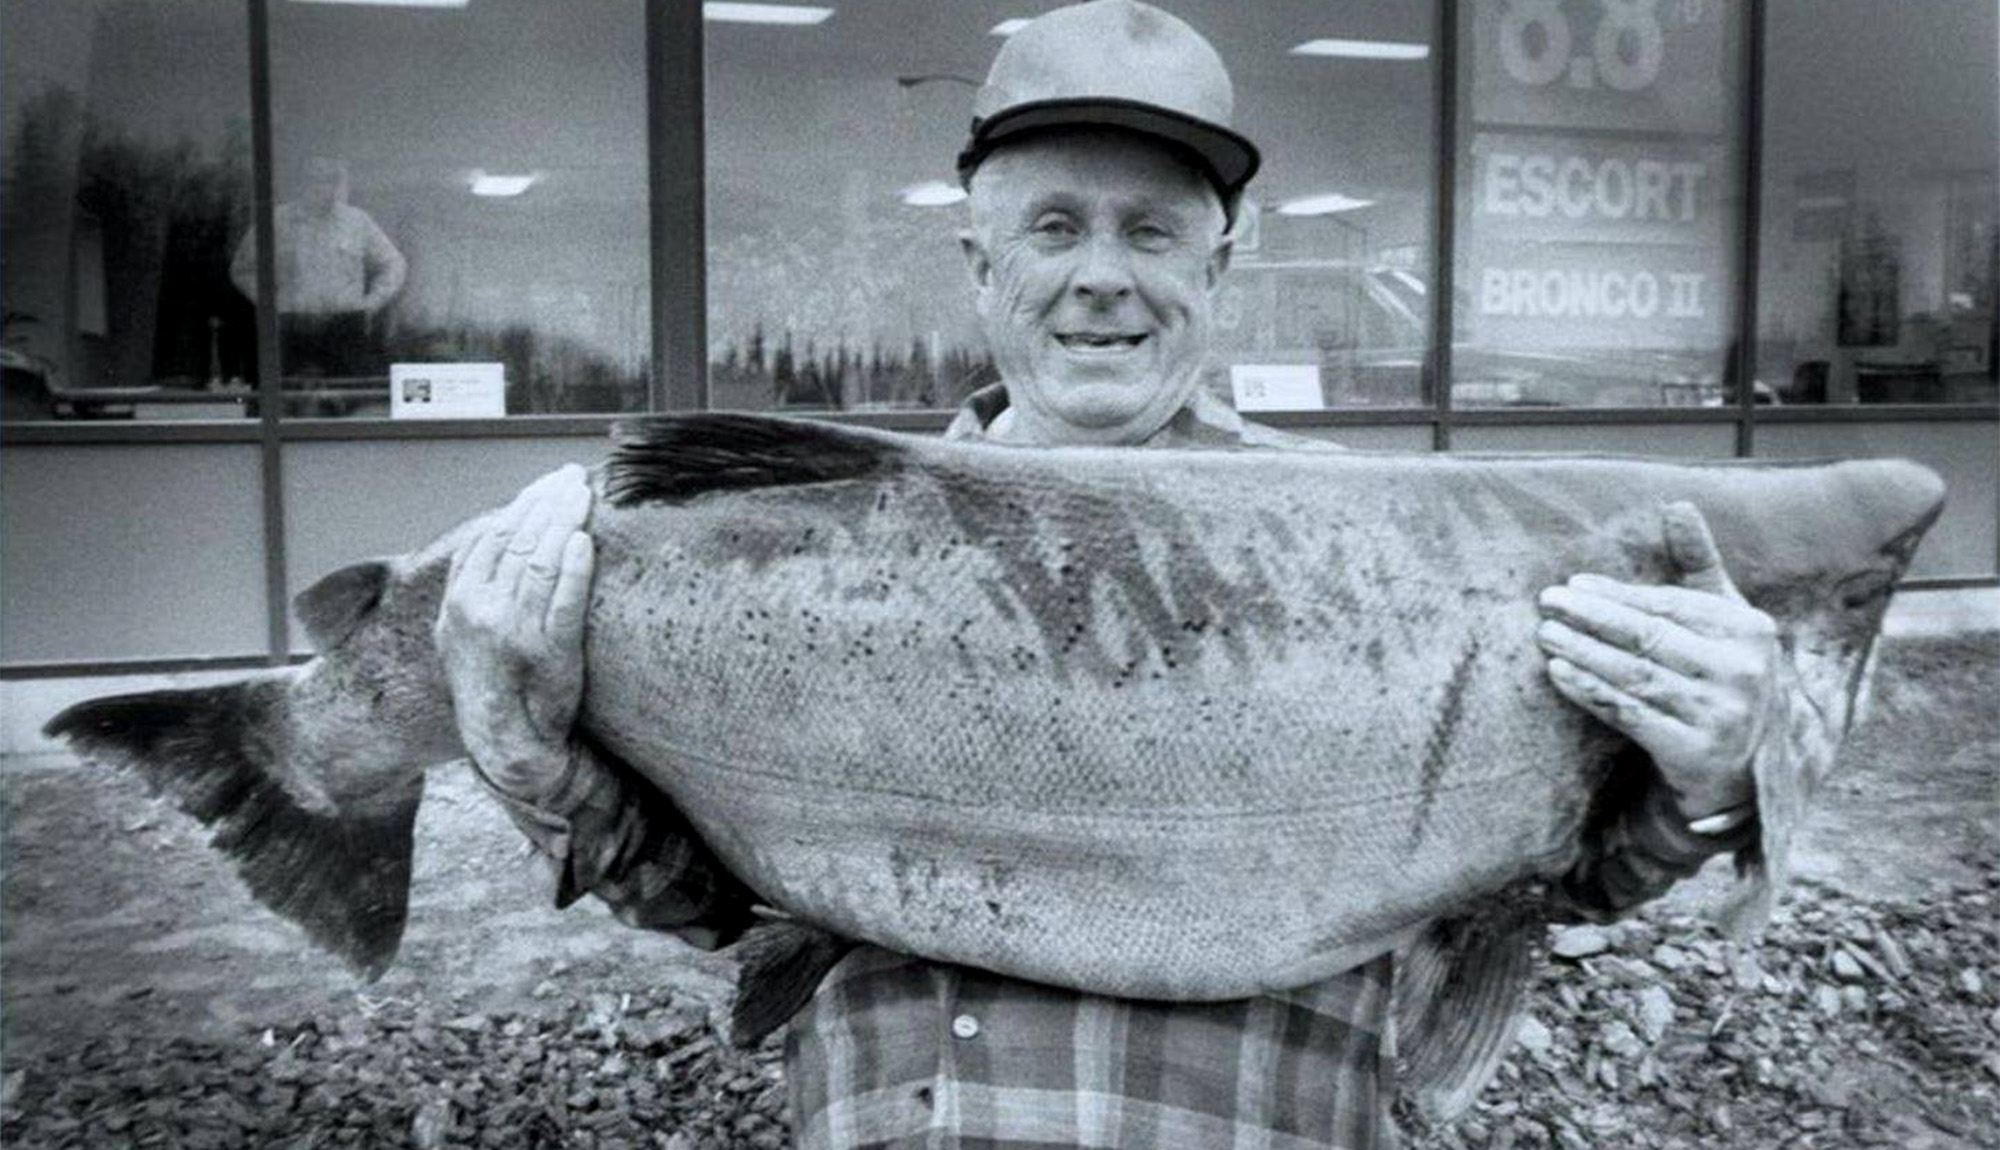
x=1100 y=343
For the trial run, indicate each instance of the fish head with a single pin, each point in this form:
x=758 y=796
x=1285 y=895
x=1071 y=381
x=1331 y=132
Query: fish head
x=1828 y=576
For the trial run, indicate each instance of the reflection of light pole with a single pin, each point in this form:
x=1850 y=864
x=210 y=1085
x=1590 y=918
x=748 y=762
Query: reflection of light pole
x=1364 y=283
x=934 y=345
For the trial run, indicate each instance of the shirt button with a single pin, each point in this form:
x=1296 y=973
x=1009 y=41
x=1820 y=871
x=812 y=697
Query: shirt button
x=965 y=1026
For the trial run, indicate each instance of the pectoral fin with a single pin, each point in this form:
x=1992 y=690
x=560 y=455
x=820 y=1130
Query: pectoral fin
x=782 y=963
x=1795 y=756
x=1460 y=987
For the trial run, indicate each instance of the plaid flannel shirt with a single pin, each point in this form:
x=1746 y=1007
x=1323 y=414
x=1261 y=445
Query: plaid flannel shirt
x=899 y=1052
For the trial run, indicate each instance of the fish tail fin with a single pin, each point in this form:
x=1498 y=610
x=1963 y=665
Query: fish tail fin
x=782 y=964
x=217 y=753
x=1460 y=987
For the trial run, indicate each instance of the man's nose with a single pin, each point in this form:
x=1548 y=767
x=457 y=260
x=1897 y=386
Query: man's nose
x=1104 y=273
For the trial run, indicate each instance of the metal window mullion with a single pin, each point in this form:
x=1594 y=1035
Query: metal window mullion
x=1750 y=155
x=1444 y=224
x=270 y=387
x=676 y=205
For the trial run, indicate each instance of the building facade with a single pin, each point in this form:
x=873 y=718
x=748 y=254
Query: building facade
x=290 y=283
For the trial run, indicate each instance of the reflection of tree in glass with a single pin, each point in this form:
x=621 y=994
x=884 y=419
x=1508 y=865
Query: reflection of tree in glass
x=167 y=212
x=845 y=377
x=164 y=211
x=35 y=191
x=36 y=152
x=877 y=309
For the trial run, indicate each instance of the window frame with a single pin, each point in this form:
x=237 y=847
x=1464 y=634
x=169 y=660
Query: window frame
x=676 y=213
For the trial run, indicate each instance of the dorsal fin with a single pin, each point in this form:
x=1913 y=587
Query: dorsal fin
x=677 y=456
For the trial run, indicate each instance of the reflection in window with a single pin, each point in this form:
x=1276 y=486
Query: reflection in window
x=834 y=273
x=1878 y=237
x=1597 y=214
x=127 y=181
x=462 y=208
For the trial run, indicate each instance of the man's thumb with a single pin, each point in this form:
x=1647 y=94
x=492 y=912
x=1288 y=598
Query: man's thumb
x=1691 y=550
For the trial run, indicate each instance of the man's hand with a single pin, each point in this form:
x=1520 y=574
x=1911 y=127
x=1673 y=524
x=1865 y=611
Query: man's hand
x=1687 y=672
x=510 y=634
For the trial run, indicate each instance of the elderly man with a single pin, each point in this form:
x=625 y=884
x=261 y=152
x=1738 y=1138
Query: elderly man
x=1102 y=174
x=336 y=270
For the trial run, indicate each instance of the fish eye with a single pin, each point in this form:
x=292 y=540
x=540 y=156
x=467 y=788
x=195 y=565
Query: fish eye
x=1863 y=588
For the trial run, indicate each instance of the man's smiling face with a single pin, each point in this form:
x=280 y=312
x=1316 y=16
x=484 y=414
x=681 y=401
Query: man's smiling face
x=1096 y=255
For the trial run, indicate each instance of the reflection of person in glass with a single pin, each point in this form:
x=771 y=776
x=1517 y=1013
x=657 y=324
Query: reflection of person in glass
x=1101 y=173
x=336 y=270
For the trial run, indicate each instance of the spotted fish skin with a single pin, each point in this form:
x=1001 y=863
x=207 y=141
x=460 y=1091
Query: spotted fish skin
x=1181 y=725
x=1165 y=724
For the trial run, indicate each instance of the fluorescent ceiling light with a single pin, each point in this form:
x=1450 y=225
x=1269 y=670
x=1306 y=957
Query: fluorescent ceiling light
x=1323 y=205
x=1363 y=49
x=394 y=3
x=485 y=185
x=935 y=194
x=796 y=14
x=1009 y=27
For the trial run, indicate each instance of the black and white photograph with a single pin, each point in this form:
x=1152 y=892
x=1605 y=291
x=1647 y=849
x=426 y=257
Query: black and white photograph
x=1000 y=574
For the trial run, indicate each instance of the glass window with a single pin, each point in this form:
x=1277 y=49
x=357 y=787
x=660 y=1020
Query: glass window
x=1597 y=206
x=462 y=218
x=834 y=273
x=1878 y=238
x=127 y=175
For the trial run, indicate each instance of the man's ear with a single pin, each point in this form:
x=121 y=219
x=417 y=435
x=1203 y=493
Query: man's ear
x=1218 y=261
x=978 y=261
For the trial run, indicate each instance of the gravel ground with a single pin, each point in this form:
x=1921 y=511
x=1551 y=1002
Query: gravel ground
x=1854 y=1024
x=612 y=1071
x=1869 y=1015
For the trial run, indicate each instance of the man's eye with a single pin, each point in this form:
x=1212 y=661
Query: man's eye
x=1151 y=236
x=1058 y=227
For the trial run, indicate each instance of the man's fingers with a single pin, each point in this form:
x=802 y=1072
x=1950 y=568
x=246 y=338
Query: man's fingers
x=532 y=512
x=1703 y=612
x=475 y=561
x=1637 y=632
x=570 y=600
x=546 y=512
x=1652 y=683
x=495 y=557
x=1645 y=725
x=1693 y=552
x=563 y=508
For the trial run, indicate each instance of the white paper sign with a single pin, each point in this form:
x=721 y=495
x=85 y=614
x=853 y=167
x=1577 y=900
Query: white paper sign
x=1276 y=386
x=447 y=390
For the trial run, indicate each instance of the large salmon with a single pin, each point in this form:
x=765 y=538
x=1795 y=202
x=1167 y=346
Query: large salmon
x=1168 y=724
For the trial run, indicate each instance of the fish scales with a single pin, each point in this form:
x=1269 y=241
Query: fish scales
x=1190 y=733
x=1170 y=724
